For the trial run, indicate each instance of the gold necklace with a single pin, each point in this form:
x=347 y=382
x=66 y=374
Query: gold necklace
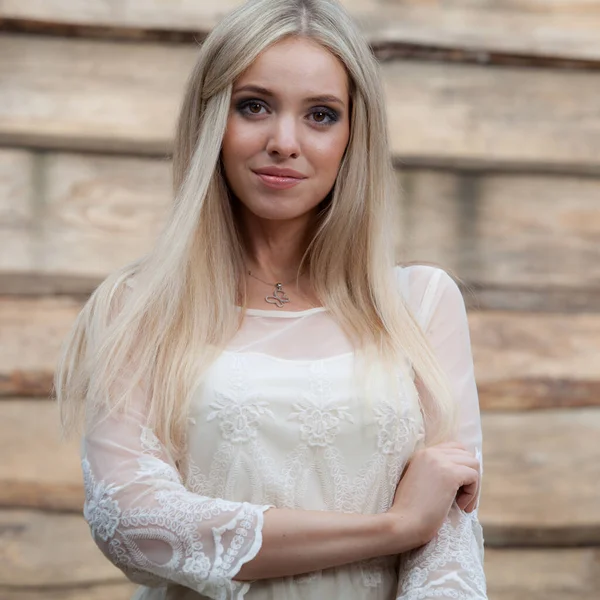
x=279 y=297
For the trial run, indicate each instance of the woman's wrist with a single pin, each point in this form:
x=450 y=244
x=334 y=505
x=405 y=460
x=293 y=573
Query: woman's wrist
x=401 y=532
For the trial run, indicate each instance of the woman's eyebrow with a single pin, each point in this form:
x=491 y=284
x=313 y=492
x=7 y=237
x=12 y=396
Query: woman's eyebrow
x=257 y=89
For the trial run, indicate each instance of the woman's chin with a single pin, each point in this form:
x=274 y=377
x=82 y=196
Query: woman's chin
x=277 y=209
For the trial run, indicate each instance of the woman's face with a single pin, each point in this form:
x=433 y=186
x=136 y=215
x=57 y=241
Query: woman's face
x=289 y=110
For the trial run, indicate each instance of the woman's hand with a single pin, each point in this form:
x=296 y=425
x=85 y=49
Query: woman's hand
x=434 y=478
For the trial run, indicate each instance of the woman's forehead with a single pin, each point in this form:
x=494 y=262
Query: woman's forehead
x=297 y=66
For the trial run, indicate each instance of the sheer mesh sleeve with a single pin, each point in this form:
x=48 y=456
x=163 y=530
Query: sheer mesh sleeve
x=149 y=525
x=451 y=564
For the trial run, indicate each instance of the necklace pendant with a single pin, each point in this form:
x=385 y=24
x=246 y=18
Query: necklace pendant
x=279 y=297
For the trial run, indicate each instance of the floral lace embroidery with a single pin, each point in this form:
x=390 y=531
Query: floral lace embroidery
x=150 y=462
x=238 y=420
x=239 y=411
x=320 y=417
x=150 y=443
x=120 y=555
x=195 y=480
x=395 y=430
x=450 y=566
x=152 y=467
x=101 y=511
x=320 y=425
x=171 y=518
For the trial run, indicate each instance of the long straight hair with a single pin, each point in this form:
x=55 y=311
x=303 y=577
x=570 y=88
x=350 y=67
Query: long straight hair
x=164 y=318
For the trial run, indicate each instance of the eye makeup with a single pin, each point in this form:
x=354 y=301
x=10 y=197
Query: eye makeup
x=243 y=106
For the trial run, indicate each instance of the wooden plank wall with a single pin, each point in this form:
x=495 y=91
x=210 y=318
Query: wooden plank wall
x=496 y=134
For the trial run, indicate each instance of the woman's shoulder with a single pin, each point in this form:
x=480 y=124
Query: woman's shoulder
x=417 y=277
x=423 y=286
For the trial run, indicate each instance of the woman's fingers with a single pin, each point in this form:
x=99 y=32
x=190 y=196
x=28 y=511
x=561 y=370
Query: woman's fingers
x=469 y=488
x=467 y=497
x=464 y=458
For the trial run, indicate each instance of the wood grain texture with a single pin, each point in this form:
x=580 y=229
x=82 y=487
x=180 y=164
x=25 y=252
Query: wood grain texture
x=31 y=334
x=76 y=218
x=18 y=193
x=513 y=230
x=528 y=242
x=78 y=94
x=522 y=360
x=39 y=470
x=540 y=483
x=528 y=27
x=38 y=550
x=523 y=298
x=476 y=116
x=439 y=114
x=542 y=574
x=541 y=472
x=111 y=591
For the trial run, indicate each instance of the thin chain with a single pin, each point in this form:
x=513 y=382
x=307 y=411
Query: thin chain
x=267 y=282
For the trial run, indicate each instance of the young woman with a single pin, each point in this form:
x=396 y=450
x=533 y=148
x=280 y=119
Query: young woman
x=273 y=409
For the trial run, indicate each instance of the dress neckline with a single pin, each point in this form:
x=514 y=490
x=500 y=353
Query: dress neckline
x=286 y=314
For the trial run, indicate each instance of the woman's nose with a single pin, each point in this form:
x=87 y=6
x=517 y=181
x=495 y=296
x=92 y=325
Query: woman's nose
x=283 y=138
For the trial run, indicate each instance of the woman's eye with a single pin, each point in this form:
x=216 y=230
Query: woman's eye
x=324 y=116
x=254 y=108
x=251 y=107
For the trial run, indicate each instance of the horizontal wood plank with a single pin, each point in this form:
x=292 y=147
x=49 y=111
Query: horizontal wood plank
x=541 y=484
x=78 y=94
x=514 y=230
x=439 y=114
x=541 y=472
x=504 y=297
x=38 y=550
x=542 y=574
x=44 y=470
x=75 y=217
x=458 y=115
x=522 y=360
x=112 y=591
x=31 y=334
x=527 y=27
x=518 y=242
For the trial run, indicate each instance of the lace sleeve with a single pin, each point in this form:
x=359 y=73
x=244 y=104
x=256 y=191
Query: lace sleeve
x=451 y=564
x=149 y=525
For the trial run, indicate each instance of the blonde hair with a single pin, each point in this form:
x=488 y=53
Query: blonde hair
x=168 y=327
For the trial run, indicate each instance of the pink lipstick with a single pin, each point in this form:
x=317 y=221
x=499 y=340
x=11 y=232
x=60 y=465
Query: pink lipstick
x=277 y=182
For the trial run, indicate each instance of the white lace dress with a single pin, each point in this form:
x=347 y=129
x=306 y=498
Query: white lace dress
x=278 y=421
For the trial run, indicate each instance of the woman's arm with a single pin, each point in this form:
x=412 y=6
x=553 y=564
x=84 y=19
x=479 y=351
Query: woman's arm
x=451 y=564
x=300 y=541
x=156 y=531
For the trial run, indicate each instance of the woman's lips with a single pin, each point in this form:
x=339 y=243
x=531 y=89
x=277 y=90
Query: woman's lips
x=278 y=183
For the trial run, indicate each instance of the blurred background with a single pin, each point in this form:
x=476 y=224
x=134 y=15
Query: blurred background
x=494 y=112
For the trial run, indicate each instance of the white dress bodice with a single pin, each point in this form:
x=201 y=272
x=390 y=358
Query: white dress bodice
x=280 y=420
